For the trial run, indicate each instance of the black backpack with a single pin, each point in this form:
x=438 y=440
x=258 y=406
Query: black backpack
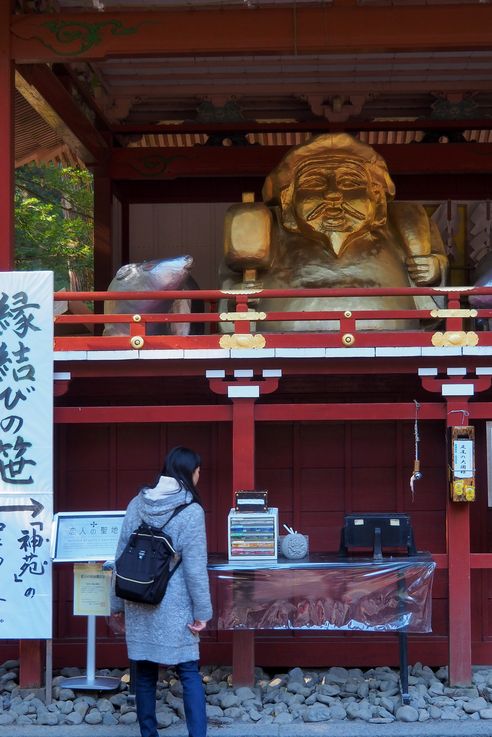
x=143 y=569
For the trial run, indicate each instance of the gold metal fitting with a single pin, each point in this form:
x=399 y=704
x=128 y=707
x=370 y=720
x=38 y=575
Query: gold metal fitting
x=241 y=291
x=244 y=315
x=242 y=341
x=347 y=313
x=452 y=289
x=348 y=339
x=137 y=318
x=453 y=313
x=137 y=341
x=455 y=338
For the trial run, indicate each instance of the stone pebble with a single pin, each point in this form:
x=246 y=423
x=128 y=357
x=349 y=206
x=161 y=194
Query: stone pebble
x=297 y=695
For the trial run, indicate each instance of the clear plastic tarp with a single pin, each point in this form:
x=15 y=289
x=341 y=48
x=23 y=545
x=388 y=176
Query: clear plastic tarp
x=324 y=592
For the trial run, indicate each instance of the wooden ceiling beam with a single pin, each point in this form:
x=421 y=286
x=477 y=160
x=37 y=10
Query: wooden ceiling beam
x=67 y=76
x=68 y=36
x=47 y=95
x=428 y=188
x=257 y=161
x=316 y=125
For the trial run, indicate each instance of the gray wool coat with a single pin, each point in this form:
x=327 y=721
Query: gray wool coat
x=160 y=632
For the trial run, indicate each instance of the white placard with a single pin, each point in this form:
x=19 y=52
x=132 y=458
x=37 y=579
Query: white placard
x=463 y=459
x=85 y=536
x=26 y=457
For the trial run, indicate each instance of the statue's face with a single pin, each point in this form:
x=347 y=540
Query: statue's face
x=337 y=197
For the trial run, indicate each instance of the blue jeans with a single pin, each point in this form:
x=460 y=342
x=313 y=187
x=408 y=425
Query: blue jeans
x=193 y=697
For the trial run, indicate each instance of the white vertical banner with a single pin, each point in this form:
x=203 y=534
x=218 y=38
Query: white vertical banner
x=26 y=454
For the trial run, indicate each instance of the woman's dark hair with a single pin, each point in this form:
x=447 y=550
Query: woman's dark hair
x=181 y=463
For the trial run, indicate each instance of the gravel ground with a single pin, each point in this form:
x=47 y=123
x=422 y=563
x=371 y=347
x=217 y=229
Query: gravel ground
x=334 y=701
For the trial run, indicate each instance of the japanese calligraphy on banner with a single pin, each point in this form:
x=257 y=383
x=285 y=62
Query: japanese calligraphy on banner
x=25 y=567
x=26 y=382
x=26 y=454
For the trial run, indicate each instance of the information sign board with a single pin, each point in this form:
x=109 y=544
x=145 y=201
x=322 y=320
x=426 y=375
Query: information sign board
x=78 y=537
x=91 y=590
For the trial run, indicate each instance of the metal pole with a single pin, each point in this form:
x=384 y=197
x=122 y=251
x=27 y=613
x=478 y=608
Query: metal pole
x=91 y=648
x=403 y=644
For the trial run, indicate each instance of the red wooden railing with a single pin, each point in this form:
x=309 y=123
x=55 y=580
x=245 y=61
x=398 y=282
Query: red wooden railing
x=454 y=323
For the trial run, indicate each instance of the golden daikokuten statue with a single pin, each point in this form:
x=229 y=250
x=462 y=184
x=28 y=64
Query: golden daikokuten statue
x=327 y=220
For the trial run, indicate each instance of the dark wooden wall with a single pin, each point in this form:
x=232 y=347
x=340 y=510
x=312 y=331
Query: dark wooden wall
x=315 y=472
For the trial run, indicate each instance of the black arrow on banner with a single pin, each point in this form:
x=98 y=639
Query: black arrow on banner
x=36 y=508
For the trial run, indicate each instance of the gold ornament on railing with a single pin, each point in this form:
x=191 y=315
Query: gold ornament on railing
x=455 y=338
x=242 y=341
x=137 y=342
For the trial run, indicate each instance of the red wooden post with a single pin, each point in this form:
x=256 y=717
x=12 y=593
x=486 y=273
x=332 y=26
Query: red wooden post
x=30 y=651
x=457 y=386
x=242 y=326
x=6 y=141
x=31 y=663
x=243 y=477
x=243 y=444
x=458 y=545
x=103 y=247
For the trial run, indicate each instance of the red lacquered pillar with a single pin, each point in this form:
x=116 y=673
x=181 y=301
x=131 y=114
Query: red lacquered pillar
x=243 y=477
x=459 y=586
x=30 y=651
x=103 y=247
x=7 y=154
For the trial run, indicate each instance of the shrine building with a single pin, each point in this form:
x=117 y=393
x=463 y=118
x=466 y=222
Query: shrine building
x=182 y=109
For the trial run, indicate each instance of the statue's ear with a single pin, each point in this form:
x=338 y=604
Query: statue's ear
x=286 y=202
x=381 y=209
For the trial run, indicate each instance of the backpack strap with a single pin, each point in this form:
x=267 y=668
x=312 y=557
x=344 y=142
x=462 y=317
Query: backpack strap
x=177 y=511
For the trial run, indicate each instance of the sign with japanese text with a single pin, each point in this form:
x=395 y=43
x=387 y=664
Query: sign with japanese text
x=463 y=467
x=85 y=536
x=26 y=454
x=91 y=589
x=25 y=567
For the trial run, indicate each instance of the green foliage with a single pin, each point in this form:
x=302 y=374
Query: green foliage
x=54 y=223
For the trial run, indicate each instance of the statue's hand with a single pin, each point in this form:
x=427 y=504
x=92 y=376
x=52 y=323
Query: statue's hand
x=424 y=270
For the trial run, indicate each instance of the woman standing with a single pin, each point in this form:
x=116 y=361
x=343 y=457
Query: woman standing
x=168 y=633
